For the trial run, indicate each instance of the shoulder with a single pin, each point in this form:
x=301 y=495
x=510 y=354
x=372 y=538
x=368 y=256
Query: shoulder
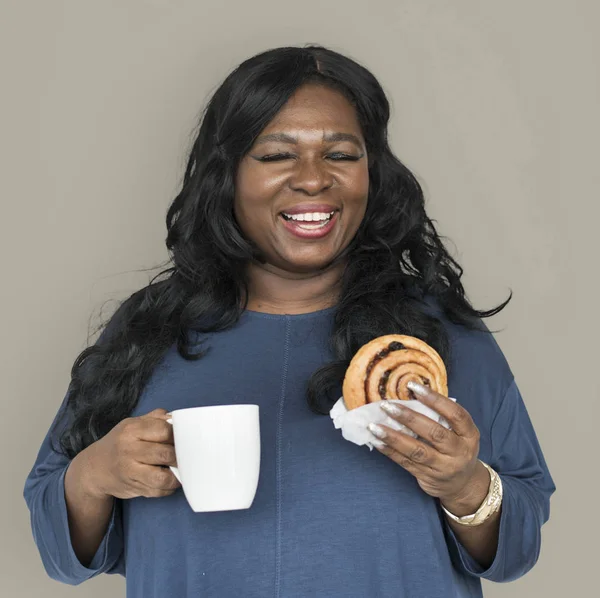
x=479 y=374
x=475 y=356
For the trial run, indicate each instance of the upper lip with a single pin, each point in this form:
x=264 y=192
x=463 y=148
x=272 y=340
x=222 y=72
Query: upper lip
x=309 y=208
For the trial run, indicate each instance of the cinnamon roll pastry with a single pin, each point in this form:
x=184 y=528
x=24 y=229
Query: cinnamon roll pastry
x=382 y=368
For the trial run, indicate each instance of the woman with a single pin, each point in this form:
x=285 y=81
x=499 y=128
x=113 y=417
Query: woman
x=296 y=238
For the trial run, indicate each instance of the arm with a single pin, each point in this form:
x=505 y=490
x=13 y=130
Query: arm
x=480 y=541
x=75 y=505
x=60 y=511
x=89 y=514
x=50 y=523
x=517 y=457
x=446 y=466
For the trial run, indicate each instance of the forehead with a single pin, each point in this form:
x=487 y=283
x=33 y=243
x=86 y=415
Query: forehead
x=316 y=107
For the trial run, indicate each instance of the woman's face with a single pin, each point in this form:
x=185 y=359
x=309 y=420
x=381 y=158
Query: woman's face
x=301 y=190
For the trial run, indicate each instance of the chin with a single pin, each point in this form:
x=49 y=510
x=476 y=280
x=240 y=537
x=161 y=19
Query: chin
x=306 y=260
x=306 y=266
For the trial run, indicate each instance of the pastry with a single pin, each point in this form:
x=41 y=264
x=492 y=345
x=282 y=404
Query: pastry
x=382 y=368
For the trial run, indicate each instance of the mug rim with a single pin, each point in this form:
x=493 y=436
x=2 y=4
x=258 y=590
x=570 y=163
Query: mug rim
x=198 y=407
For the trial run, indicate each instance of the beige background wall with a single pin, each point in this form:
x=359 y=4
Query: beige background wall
x=495 y=109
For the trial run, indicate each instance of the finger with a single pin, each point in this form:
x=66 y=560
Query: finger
x=435 y=434
x=146 y=491
x=409 y=451
x=458 y=417
x=155 y=453
x=158 y=414
x=156 y=478
x=415 y=469
x=153 y=429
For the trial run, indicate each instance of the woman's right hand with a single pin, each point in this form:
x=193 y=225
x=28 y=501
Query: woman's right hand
x=131 y=460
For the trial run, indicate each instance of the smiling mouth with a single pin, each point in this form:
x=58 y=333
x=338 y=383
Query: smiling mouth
x=310 y=225
x=309 y=221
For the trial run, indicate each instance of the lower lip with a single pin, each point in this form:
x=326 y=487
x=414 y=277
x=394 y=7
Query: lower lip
x=315 y=233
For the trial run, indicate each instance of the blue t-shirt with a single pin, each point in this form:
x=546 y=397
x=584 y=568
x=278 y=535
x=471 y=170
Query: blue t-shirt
x=330 y=518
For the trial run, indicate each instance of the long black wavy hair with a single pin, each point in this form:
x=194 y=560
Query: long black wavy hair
x=396 y=263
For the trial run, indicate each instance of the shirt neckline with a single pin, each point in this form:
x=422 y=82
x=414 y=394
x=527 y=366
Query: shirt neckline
x=312 y=314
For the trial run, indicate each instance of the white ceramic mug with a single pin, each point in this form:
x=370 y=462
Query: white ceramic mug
x=218 y=455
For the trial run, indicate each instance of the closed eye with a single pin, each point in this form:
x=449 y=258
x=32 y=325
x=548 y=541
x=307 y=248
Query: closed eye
x=274 y=157
x=335 y=156
x=339 y=156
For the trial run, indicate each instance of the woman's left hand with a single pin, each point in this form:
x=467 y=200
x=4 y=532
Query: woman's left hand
x=444 y=465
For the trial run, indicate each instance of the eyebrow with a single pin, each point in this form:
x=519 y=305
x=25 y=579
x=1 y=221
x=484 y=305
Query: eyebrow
x=329 y=137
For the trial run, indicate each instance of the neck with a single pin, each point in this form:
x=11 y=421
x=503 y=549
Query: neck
x=278 y=292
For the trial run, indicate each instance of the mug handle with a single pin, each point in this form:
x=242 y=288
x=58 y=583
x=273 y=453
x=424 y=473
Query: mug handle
x=171 y=467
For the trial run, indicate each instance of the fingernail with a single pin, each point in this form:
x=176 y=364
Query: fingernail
x=418 y=388
x=391 y=408
x=378 y=443
x=376 y=430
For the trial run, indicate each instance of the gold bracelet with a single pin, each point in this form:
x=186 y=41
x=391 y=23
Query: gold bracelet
x=489 y=506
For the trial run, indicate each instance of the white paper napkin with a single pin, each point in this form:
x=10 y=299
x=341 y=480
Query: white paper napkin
x=353 y=422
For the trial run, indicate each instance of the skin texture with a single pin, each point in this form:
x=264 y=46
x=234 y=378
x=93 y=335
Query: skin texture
x=297 y=277
x=128 y=462
x=445 y=465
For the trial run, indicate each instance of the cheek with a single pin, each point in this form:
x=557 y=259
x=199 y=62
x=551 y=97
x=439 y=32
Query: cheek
x=252 y=190
x=246 y=196
x=251 y=204
x=359 y=190
x=245 y=216
x=364 y=180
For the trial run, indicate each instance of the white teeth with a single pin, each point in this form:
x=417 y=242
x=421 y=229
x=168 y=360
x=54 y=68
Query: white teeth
x=309 y=216
x=313 y=225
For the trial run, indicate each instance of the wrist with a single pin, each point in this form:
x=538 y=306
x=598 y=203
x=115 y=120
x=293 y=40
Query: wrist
x=488 y=508
x=472 y=495
x=83 y=475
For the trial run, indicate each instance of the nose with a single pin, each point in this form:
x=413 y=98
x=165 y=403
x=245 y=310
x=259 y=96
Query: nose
x=311 y=177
